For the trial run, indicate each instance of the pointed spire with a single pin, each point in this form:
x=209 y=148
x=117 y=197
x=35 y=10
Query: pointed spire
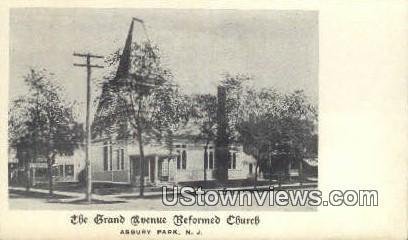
x=124 y=61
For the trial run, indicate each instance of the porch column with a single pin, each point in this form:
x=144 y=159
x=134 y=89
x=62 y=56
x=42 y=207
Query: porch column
x=33 y=177
x=156 y=170
x=174 y=169
x=169 y=172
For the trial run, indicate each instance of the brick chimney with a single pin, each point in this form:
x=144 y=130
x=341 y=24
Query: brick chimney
x=222 y=141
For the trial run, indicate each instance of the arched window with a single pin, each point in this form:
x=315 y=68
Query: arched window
x=229 y=160
x=250 y=168
x=117 y=155
x=211 y=160
x=110 y=157
x=105 y=156
x=178 y=160
x=184 y=159
x=234 y=160
x=122 y=159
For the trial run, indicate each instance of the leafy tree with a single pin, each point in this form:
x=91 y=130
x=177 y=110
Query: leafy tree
x=299 y=120
x=256 y=124
x=140 y=99
x=236 y=86
x=264 y=120
x=204 y=114
x=42 y=124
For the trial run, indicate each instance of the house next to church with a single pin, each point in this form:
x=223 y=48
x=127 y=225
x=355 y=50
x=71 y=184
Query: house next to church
x=66 y=168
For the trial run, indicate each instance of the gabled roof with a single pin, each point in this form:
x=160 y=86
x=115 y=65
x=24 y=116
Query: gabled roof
x=188 y=131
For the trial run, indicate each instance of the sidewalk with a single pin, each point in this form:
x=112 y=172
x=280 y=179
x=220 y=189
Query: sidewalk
x=76 y=196
x=73 y=196
x=259 y=187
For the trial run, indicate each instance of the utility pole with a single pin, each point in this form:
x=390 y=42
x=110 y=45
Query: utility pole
x=88 y=66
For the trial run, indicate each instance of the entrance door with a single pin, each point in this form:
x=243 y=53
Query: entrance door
x=134 y=170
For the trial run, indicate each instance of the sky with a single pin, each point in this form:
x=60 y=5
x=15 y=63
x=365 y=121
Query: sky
x=277 y=48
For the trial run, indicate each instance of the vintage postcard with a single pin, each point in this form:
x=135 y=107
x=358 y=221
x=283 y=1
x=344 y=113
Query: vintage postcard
x=211 y=121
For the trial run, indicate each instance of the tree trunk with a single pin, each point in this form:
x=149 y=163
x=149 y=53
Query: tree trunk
x=142 y=160
x=27 y=175
x=270 y=171
x=300 y=170
x=256 y=174
x=279 y=180
x=206 y=154
x=50 y=180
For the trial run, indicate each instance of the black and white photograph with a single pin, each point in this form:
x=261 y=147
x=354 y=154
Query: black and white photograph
x=128 y=109
x=203 y=119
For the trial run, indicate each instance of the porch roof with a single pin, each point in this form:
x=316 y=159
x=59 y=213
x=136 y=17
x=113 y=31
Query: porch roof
x=148 y=150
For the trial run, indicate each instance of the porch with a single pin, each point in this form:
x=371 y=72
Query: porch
x=157 y=170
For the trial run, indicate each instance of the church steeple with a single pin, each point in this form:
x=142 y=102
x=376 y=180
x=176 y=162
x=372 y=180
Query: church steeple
x=124 y=61
x=108 y=100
